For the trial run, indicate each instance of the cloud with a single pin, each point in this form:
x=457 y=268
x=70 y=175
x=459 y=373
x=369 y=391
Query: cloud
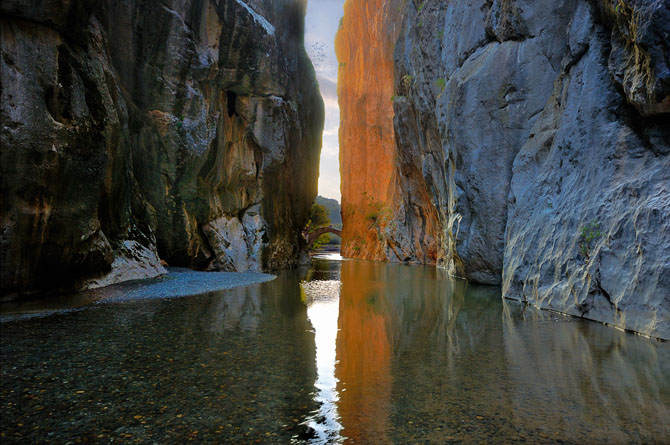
x=332 y=123
x=328 y=87
x=329 y=181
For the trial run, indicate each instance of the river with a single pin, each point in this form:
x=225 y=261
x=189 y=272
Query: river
x=346 y=350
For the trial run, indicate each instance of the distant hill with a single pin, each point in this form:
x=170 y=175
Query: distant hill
x=334 y=210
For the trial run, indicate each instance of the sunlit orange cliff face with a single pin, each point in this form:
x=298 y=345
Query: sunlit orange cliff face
x=379 y=217
x=364 y=47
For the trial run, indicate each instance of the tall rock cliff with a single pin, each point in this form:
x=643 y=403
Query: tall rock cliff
x=379 y=187
x=534 y=136
x=188 y=131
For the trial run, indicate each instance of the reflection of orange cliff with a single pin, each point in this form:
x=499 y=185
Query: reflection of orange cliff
x=364 y=355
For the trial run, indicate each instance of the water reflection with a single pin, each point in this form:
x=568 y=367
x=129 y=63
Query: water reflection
x=423 y=357
x=240 y=310
x=345 y=351
x=594 y=381
x=321 y=291
x=325 y=255
x=364 y=354
x=234 y=366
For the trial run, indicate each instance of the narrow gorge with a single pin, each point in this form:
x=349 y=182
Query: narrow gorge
x=137 y=134
x=518 y=143
x=499 y=212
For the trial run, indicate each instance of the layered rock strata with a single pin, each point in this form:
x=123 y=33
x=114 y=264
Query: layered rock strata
x=185 y=131
x=535 y=138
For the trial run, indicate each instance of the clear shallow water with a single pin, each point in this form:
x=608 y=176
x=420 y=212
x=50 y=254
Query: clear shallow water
x=347 y=350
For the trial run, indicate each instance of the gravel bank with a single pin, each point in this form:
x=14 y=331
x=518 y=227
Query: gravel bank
x=178 y=282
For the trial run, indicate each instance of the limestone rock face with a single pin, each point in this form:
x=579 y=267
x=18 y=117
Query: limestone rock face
x=588 y=230
x=533 y=139
x=380 y=188
x=187 y=131
x=364 y=47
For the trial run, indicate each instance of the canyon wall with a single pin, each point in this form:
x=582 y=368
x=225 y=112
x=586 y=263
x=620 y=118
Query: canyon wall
x=532 y=138
x=135 y=132
x=379 y=187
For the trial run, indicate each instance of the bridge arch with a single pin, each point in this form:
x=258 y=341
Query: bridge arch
x=312 y=235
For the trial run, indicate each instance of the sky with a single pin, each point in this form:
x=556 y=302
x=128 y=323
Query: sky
x=321 y=23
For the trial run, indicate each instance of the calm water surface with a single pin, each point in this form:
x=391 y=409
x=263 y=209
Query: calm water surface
x=347 y=351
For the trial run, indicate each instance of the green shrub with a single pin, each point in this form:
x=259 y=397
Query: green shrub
x=320 y=241
x=318 y=217
x=441 y=84
x=378 y=216
x=588 y=234
x=407 y=80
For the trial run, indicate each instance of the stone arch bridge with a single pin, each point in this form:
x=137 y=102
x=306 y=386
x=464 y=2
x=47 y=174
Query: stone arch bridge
x=311 y=236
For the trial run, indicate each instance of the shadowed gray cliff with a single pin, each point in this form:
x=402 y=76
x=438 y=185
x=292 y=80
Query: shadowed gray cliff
x=132 y=131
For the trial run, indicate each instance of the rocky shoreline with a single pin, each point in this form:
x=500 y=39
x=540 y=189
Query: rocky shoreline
x=175 y=283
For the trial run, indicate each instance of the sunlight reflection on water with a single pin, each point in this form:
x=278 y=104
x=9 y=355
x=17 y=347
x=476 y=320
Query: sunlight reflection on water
x=323 y=298
x=334 y=256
